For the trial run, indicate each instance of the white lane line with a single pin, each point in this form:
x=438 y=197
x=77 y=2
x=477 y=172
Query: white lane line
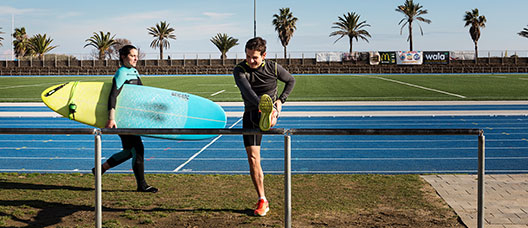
x=219 y=92
x=279 y=149
x=43 y=84
x=32 y=85
x=215 y=84
x=268 y=171
x=420 y=87
x=282 y=159
x=203 y=149
x=48 y=158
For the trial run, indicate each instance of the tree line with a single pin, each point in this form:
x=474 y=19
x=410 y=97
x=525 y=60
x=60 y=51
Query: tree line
x=350 y=25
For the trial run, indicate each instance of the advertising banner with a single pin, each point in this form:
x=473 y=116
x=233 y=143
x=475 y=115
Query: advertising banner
x=409 y=58
x=328 y=57
x=387 y=57
x=462 y=55
x=374 y=58
x=435 y=57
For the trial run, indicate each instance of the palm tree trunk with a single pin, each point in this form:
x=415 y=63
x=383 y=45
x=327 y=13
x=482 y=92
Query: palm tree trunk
x=410 y=37
x=476 y=52
x=350 y=41
x=161 y=52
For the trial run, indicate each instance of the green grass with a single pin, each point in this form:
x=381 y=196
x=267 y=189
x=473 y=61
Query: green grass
x=311 y=88
x=66 y=200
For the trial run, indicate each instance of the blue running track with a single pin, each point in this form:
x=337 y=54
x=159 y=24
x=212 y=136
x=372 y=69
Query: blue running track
x=506 y=144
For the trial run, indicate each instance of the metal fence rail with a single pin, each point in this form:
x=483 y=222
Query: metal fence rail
x=277 y=131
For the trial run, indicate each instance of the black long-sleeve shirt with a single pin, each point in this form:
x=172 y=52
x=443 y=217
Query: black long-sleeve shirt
x=253 y=83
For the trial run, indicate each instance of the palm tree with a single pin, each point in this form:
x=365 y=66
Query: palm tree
x=524 y=33
x=1 y=38
x=119 y=43
x=40 y=45
x=412 y=12
x=285 y=25
x=224 y=43
x=21 y=42
x=161 y=33
x=349 y=25
x=476 y=21
x=102 y=42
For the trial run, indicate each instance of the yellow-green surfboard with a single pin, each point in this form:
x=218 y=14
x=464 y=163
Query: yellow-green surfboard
x=136 y=107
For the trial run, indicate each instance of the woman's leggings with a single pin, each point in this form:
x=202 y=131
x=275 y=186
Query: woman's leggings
x=132 y=148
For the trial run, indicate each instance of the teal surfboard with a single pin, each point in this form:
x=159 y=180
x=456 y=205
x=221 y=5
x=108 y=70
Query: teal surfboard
x=136 y=107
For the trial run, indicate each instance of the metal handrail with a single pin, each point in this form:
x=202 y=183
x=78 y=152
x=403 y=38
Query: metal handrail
x=276 y=131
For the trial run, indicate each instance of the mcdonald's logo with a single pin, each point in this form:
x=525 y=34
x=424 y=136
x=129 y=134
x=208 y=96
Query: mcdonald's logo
x=387 y=57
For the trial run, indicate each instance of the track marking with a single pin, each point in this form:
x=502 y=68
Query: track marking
x=215 y=84
x=203 y=149
x=420 y=87
x=281 y=159
x=271 y=171
x=32 y=85
x=42 y=84
x=336 y=149
x=219 y=92
x=49 y=158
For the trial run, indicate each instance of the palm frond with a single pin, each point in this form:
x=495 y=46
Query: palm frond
x=285 y=25
x=41 y=44
x=350 y=25
x=224 y=42
x=523 y=33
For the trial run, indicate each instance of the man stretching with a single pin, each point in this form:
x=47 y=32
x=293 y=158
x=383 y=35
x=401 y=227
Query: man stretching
x=257 y=80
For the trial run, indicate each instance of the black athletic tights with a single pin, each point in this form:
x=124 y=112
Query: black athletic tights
x=132 y=148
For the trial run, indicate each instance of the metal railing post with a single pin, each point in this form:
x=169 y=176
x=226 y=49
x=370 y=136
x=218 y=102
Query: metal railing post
x=287 y=180
x=98 y=182
x=480 y=187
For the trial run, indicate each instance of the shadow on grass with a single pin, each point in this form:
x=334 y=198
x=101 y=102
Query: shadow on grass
x=51 y=213
x=29 y=186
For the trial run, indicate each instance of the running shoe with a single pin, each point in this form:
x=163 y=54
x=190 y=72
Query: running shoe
x=266 y=109
x=262 y=208
x=102 y=170
x=147 y=189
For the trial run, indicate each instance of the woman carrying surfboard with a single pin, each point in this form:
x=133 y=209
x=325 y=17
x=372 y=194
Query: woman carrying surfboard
x=132 y=144
x=257 y=80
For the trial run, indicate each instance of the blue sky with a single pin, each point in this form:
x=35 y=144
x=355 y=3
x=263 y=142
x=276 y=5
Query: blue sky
x=70 y=23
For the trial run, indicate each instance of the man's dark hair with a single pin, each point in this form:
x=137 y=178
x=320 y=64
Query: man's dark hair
x=256 y=44
x=124 y=51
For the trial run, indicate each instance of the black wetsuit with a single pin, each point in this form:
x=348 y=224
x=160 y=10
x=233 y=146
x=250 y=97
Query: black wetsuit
x=253 y=83
x=132 y=144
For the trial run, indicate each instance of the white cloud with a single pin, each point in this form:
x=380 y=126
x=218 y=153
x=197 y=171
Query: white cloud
x=141 y=17
x=217 y=16
x=15 y=11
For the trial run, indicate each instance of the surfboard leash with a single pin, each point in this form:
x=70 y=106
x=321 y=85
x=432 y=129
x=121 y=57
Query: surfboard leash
x=72 y=107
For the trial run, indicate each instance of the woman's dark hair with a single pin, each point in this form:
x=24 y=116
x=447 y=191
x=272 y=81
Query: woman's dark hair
x=256 y=44
x=124 y=51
